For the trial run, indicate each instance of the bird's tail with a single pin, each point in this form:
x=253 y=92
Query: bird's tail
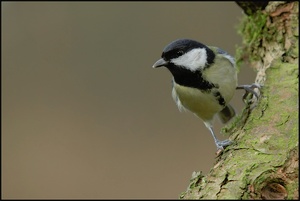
x=226 y=114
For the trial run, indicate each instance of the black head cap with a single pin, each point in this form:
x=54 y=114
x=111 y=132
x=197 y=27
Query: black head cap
x=180 y=47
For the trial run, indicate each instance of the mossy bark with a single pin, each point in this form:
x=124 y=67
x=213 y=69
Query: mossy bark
x=263 y=164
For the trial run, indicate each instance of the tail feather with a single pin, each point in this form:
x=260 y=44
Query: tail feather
x=226 y=114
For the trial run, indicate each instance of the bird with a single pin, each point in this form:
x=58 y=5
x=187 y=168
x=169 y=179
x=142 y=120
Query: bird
x=204 y=81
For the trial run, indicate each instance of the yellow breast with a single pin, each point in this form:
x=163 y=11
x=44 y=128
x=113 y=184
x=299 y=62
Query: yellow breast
x=204 y=105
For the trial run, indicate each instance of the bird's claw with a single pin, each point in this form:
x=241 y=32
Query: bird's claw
x=222 y=144
x=249 y=89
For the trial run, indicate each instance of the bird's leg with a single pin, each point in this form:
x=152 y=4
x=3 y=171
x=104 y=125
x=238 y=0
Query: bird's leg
x=220 y=144
x=249 y=89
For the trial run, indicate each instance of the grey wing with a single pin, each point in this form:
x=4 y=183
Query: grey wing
x=226 y=55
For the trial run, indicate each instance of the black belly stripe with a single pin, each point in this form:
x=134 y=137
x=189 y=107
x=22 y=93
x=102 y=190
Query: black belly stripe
x=185 y=77
x=188 y=78
x=219 y=97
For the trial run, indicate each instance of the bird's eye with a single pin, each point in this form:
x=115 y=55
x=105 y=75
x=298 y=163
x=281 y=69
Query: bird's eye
x=179 y=53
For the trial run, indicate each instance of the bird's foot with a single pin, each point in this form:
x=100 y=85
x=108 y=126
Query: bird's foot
x=222 y=144
x=249 y=88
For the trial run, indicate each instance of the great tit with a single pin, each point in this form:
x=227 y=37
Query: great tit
x=204 y=81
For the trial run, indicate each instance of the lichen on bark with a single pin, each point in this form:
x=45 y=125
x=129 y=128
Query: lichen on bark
x=263 y=163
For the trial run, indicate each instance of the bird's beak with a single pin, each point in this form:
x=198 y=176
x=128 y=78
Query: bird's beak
x=159 y=63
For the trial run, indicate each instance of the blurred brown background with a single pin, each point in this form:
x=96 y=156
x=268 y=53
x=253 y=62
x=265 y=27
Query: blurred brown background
x=83 y=113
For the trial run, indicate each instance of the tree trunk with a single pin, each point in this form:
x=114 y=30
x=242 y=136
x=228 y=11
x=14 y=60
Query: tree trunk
x=263 y=164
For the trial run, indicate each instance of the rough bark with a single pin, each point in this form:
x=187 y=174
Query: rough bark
x=263 y=164
x=251 y=7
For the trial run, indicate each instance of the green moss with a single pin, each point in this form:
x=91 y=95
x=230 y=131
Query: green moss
x=265 y=135
x=261 y=31
x=253 y=29
x=293 y=188
x=268 y=152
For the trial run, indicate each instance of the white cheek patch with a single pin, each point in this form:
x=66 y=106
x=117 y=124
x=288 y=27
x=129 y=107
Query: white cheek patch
x=193 y=60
